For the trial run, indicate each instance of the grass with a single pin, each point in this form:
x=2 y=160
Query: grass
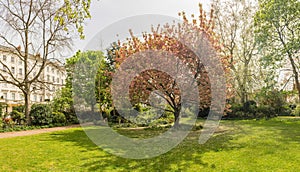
x=250 y=145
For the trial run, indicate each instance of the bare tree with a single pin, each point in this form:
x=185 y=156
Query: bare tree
x=35 y=31
x=235 y=25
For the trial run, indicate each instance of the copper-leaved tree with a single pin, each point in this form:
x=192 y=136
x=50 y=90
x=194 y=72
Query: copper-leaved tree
x=175 y=39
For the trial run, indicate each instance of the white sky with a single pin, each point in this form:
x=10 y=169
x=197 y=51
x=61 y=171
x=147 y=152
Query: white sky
x=107 y=12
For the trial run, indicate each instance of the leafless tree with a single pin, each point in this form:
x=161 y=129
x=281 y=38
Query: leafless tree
x=235 y=26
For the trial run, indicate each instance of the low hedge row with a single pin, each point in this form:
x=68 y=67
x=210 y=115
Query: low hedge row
x=42 y=116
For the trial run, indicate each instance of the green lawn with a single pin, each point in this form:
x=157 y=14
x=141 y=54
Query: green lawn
x=272 y=145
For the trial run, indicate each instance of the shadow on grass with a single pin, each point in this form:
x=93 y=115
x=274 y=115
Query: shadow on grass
x=283 y=130
x=186 y=156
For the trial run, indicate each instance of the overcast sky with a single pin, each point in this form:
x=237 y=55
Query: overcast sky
x=107 y=12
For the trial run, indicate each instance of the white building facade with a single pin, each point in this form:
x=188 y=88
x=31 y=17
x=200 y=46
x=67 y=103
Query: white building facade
x=51 y=79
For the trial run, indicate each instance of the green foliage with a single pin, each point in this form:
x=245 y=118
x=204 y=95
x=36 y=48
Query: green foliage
x=251 y=110
x=277 y=33
x=58 y=118
x=111 y=56
x=5 y=128
x=146 y=115
x=274 y=99
x=1 y=123
x=18 y=117
x=87 y=75
x=2 y=107
x=86 y=80
x=8 y=122
x=266 y=111
x=75 y=11
x=273 y=15
x=239 y=112
x=71 y=117
x=236 y=107
x=63 y=103
x=296 y=111
x=20 y=108
x=41 y=114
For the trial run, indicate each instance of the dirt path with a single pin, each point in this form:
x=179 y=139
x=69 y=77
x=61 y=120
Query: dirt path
x=33 y=132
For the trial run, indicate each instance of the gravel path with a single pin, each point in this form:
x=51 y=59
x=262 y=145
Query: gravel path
x=33 y=132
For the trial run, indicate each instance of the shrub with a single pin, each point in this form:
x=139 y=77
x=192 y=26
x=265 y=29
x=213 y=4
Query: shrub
x=58 y=118
x=20 y=108
x=250 y=107
x=274 y=98
x=287 y=110
x=63 y=102
x=296 y=111
x=266 y=111
x=71 y=117
x=236 y=107
x=41 y=114
x=250 y=110
x=17 y=116
x=1 y=123
x=8 y=122
x=2 y=106
x=203 y=113
x=236 y=111
x=115 y=117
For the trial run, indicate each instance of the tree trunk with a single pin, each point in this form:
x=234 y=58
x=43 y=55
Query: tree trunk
x=177 y=117
x=245 y=79
x=92 y=107
x=298 y=87
x=296 y=74
x=27 y=108
x=243 y=94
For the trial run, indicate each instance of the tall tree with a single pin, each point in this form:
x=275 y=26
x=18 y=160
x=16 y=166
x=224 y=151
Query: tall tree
x=36 y=30
x=167 y=38
x=235 y=26
x=278 y=31
x=88 y=77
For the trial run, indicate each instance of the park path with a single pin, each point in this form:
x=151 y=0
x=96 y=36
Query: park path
x=36 y=131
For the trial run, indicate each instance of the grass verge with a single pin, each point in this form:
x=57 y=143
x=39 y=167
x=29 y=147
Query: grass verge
x=249 y=145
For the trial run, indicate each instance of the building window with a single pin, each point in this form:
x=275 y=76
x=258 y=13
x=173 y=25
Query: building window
x=41 y=98
x=62 y=81
x=21 y=97
x=57 y=80
x=5 y=96
x=35 y=98
x=13 y=70
x=20 y=62
x=13 y=96
x=47 y=69
x=12 y=59
x=20 y=71
x=48 y=78
x=53 y=79
x=4 y=57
